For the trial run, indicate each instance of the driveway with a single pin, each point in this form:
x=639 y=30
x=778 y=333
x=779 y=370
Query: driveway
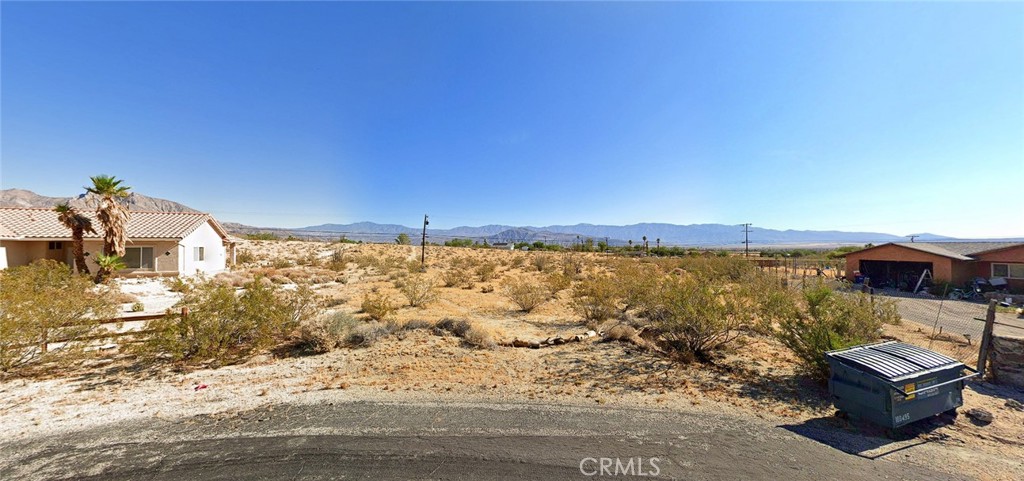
x=374 y=440
x=955 y=317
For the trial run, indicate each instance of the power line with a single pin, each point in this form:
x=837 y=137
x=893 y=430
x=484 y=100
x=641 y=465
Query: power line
x=746 y=240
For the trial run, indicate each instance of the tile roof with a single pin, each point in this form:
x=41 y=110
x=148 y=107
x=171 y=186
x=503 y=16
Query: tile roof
x=39 y=223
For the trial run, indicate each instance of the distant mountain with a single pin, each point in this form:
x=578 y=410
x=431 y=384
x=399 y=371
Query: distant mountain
x=135 y=201
x=717 y=235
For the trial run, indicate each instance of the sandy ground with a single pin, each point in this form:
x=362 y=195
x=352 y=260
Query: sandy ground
x=757 y=378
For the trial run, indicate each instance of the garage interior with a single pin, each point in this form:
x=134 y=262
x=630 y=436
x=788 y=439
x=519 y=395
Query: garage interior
x=895 y=274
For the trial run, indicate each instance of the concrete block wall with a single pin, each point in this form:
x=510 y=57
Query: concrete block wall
x=1006 y=360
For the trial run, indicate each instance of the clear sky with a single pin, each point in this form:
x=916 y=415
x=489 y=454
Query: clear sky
x=891 y=117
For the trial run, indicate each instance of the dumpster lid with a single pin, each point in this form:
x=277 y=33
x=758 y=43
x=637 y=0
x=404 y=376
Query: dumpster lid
x=893 y=360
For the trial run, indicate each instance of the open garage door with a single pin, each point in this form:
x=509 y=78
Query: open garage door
x=900 y=275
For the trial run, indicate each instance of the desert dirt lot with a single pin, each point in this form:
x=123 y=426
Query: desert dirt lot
x=754 y=377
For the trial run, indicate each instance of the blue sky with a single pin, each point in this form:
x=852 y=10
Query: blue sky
x=890 y=117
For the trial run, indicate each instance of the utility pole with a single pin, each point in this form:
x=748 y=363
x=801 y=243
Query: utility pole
x=423 y=253
x=912 y=237
x=746 y=240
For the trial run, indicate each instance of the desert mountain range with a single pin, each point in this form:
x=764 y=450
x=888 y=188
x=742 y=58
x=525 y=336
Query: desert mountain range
x=719 y=235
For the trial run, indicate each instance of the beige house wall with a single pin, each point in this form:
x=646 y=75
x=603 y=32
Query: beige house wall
x=163 y=264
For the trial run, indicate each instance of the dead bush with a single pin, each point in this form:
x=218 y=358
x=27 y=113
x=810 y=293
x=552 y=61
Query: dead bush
x=458 y=327
x=326 y=332
x=621 y=332
x=525 y=293
x=378 y=305
x=480 y=336
x=368 y=333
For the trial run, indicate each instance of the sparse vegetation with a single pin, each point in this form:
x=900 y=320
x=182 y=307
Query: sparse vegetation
x=44 y=303
x=419 y=290
x=221 y=326
x=378 y=305
x=527 y=295
x=595 y=299
x=326 y=332
x=830 y=320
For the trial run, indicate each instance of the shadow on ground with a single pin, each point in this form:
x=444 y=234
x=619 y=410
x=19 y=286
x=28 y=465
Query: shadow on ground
x=869 y=441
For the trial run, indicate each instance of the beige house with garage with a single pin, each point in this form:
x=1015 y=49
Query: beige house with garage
x=159 y=243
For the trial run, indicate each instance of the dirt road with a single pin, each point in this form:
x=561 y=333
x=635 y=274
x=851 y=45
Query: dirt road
x=373 y=440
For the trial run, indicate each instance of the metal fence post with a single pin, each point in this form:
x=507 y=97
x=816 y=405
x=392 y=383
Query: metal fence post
x=986 y=338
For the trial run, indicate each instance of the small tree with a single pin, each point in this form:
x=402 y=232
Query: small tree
x=42 y=303
x=79 y=225
x=403 y=239
x=830 y=321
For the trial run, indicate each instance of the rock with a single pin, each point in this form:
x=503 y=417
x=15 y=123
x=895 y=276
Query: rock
x=980 y=415
x=1015 y=404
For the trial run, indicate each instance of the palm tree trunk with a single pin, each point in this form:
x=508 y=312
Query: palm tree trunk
x=78 y=250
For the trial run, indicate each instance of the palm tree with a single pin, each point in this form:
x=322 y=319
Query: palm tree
x=79 y=225
x=108 y=264
x=113 y=214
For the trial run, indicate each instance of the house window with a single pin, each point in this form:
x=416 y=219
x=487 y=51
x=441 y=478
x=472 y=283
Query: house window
x=1011 y=271
x=199 y=253
x=55 y=246
x=138 y=257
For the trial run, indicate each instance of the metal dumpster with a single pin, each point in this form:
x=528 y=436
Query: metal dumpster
x=893 y=384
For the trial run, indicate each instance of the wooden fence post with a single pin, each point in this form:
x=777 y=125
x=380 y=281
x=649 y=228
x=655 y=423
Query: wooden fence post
x=986 y=338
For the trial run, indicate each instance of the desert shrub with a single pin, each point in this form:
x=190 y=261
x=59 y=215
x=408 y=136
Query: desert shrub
x=42 y=303
x=458 y=327
x=262 y=236
x=368 y=333
x=486 y=271
x=337 y=261
x=244 y=256
x=419 y=290
x=694 y=317
x=557 y=282
x=378 y=305
x=517 y=262
x=281 y=263
x=621 y=332
x=717 y=268
x=456 y=277
x=480 y=336
x=831 y=320
x=472 y=333
x=572 y=265
x=414 y=324
x=326 y=332
x=595 y=299
x=138 y=307
x=526 y=294
x=221 y=325
x=636 y=281
x=542 y=262
x=176 y=284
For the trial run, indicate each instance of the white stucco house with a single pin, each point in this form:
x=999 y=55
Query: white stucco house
x=159 y=243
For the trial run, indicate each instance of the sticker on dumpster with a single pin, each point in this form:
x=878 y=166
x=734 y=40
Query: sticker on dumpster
x=927 y=393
